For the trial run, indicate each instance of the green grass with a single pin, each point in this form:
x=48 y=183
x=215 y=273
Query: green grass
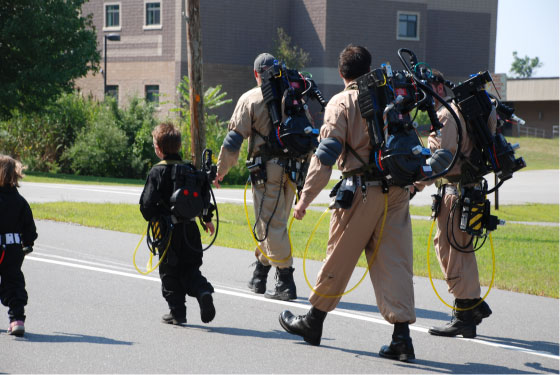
x=539 y=153
x=61 y=178
x=526 y=257
x=524 y=212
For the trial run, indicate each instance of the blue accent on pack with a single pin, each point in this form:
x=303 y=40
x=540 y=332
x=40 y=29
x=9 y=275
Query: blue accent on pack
x=328 y=151
x=233 y=141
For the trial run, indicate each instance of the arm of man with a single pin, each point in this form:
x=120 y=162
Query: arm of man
x=328 y=152
x=239 y=128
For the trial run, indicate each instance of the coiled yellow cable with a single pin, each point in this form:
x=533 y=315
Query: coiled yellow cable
x=369 y=262
x=433 y=286
x=149 y=268
x=253 y=234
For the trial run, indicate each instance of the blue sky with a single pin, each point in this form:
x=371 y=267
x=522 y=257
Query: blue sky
x=529 y=27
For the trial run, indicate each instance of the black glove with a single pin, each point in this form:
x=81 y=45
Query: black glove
x=27 y=250
x=412 y=190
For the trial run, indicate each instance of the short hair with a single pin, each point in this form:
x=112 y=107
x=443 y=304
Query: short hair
x=167 y=137
x=354 y=61
x=11 y=171
x=437 y=77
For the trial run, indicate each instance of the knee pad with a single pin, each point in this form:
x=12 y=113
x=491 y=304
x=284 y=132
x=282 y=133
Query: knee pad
x=328 y=151
x=233 y=141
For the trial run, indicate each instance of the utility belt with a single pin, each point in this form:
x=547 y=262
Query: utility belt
x=10 y=239
x=346 y=188
x=295 y=168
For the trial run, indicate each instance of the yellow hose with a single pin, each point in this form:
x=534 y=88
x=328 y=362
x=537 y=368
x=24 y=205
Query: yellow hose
x=253 y=234
x=433 y=286
x=369 y=262
x=149 y=268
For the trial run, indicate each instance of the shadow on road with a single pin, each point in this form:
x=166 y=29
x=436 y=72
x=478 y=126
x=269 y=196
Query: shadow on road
x=72 y=337
x=420 y=313
x=542 y=346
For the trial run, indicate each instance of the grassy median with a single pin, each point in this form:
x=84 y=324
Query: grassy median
x=526 y=256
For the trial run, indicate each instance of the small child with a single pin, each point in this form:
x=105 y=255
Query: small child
x=180 y=270
x=17 y=235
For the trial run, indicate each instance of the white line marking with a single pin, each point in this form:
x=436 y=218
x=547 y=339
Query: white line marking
x=338 y=312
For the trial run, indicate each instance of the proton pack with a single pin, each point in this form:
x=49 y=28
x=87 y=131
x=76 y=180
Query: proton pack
x=289 y=89
x=491 y=153
x=385 y=99
x=191 y=189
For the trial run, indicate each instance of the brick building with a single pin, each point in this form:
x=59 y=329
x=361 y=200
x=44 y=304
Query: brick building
x=458 y=37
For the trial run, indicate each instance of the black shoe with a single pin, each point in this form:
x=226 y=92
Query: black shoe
x=400 y=349
x=258 y=282
x=481 y=311
x=462 y=322
x=170 y=319
x=285 y=288
x=207 y=309
x=302 y=326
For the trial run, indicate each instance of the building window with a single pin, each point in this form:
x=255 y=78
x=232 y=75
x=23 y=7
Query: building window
x=112 y=16
x=113 y=91
x=152 y=94
x=153 y=14
x=408 y=25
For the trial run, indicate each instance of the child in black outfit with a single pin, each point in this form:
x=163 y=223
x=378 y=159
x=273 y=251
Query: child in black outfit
x=180 y=270
x=17 y=235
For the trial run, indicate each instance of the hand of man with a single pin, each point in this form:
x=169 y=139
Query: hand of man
x=300 y=210
x=217 y=181
x=209 y=227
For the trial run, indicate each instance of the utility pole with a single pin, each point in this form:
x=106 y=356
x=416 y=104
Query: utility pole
x=194 y=51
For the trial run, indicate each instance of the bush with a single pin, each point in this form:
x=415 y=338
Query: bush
x=100 y=149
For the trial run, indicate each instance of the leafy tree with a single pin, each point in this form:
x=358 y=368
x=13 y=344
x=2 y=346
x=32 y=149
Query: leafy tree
x=523 y=67
x=44 y=46
x=293 y=56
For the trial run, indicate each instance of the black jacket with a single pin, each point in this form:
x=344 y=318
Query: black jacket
x=16 y=216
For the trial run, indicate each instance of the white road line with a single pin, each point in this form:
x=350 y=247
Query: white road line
x=343 y=313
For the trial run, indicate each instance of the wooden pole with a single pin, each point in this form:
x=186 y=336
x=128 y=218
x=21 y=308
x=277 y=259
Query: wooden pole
x=194 y=52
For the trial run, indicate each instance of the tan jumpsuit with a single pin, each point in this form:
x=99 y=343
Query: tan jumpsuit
x=251 y=114
x=459 y=269
x=358 y=228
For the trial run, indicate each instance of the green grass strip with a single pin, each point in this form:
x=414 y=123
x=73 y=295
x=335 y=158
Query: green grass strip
x=526 y=255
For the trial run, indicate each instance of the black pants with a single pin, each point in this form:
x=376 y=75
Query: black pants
x=12 y=282
x=180 y=271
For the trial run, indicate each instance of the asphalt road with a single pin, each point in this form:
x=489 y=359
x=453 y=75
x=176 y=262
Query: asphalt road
x=90 y=312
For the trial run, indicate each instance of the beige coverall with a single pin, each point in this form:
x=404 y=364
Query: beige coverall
x=357 y=228
x=459 y=269
x=251 y=113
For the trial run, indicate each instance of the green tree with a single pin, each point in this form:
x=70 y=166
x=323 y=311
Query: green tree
x=294 y=56
x=523 y=67
x=44 y=46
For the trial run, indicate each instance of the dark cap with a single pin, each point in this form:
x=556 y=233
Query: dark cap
x=263 y=62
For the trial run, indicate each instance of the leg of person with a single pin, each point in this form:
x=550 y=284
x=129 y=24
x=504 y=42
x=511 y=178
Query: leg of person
x=195 y=284
x=348 y=234
x=273 y=203
x=391 y=272
x=12 y=289
x=459 y=269
x=172 y=289
x=257 y=283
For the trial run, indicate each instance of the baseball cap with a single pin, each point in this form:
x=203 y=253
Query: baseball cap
x=263 y=62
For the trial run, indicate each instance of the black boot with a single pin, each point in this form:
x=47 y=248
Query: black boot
x=462 y=322
x=401 y=348
x=207 y=309
x=258 y=282
x=481 y=311
x=285 y=288
x=308 y=326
